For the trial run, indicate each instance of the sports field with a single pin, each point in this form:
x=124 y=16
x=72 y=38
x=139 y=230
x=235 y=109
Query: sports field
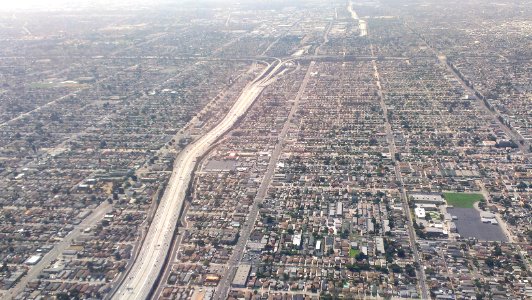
x=463 y=200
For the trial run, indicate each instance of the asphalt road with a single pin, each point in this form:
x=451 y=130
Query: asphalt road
x=58 y=249
x=391 y=144
x=510 y=132
x=173 y=256
x=155 y=248
x=225 y=284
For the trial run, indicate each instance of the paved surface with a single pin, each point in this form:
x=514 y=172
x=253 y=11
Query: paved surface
x=143 y=228
x=510 y=132
x=362 y=25
x=325 y=38
x=420 y=272
x=225 y=284
x=155 y=248
x=173 y=255
x=469 y=225
x=502 y=223
x=58 y=249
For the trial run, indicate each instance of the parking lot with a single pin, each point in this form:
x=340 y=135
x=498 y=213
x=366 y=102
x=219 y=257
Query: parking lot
x=470 y=225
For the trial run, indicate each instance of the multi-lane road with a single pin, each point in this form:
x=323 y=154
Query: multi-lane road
x=146 y=269
x=225 y=284
x=58 y=249
x=406 y=208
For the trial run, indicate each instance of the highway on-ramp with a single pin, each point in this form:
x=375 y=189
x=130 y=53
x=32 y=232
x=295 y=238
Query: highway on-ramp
x=146 y=268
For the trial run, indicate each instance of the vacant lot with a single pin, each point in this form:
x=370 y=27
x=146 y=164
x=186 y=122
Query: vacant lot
x=462 y=200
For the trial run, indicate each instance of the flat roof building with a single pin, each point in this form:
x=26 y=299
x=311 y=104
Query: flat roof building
x=427 y=198
x=32 y=260
x=296 y=240
x=339 y=208
x=420 y=212
x=241 y=276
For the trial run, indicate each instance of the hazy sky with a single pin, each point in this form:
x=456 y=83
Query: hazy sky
x=9 y=5
x=47 y=5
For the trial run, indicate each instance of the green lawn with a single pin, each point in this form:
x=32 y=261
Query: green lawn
x=353 y=252
x=41 y=85
x=462 y=200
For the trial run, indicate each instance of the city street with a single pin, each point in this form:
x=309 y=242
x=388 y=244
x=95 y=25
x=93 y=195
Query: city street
x=155 y=248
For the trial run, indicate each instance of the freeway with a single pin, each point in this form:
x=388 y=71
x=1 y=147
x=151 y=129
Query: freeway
x=155 y=248
x=173 y=255
x=362 y=25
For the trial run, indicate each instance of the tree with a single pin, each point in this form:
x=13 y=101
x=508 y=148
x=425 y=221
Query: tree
x=397 y=156
x=90 y=266
x=396 y=268
x=497 y=251
x=345 y=234
x=353 y=268
x=490 y=262
x=401 y=253
x=128 y=218
x=360 y=256
x=410 y=270
x=62 y=296
x=4 y=268
x=522 y=186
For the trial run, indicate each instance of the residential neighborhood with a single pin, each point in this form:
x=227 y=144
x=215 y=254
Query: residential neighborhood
x=339 y=149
